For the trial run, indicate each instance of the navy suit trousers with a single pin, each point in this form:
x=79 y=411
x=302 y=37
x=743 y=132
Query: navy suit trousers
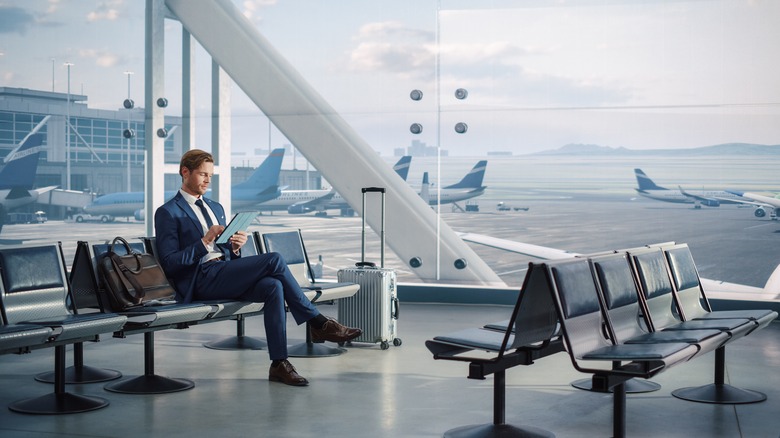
x=262 y=278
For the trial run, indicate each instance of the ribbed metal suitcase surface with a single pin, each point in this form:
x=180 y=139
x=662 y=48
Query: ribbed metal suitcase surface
x=374 y=308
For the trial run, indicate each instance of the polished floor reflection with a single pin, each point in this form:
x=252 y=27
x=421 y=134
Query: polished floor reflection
x=368 y=392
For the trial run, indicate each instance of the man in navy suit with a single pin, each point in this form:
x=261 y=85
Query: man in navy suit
x=186 y=228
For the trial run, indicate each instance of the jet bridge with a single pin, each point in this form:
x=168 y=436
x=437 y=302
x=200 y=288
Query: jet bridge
x=315 y=128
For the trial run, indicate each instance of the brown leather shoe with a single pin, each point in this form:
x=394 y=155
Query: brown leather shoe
x=334 y=332
x=285 y=373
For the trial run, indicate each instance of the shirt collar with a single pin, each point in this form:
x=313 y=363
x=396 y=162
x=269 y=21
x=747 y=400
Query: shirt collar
x=189 y=198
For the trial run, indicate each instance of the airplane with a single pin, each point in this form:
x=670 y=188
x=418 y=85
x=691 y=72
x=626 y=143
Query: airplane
x=715 y=289
x=468 y=187
x=764 y=203
x=318 y=201
x=262 y=186
x=18 y=176
x=709 y=198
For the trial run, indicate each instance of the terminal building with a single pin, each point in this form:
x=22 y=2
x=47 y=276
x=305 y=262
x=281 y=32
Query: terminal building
x=101 y=153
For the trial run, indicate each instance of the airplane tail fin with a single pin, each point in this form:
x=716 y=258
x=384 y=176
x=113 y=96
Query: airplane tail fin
x=267 y=174
x=425 y=190
x=473 y=179
x=644 y=182
x=20 y=171
x=402 y=166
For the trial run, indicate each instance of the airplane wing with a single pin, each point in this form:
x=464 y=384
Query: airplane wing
x=714 y=201
x=704 y=200
x=528 y=249
x=761 y=199
x=43 y=190
x=715 y=289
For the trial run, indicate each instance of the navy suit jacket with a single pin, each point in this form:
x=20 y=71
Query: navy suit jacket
x=179 y=248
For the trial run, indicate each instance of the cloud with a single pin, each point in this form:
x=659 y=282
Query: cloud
x=391 y=48
x=15 y=20
x=106 y=10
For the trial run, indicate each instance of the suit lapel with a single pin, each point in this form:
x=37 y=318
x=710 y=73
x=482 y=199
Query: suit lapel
x=185 y=207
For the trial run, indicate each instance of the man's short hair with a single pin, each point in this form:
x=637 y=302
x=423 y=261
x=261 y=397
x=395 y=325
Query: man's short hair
x=193 y=158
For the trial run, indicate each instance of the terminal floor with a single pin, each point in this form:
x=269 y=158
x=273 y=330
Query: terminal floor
x=368 y=392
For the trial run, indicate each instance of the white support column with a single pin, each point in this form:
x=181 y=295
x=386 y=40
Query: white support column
x=220 y=135
x=187 y=95
x=154 y=115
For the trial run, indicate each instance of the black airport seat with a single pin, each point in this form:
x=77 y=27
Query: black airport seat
x=145 y=319
x=661 y=304
x=35 y=290
x=530 y=333
x=692 y=297
x=592 y=344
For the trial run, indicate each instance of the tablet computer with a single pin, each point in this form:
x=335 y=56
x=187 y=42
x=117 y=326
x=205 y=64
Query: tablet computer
x=240 y=222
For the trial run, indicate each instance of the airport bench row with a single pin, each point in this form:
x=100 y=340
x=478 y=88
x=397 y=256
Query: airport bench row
x=620 y=315
x=43 y=307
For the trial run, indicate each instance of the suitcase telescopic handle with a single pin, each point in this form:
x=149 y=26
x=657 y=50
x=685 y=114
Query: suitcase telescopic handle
x=363 y=262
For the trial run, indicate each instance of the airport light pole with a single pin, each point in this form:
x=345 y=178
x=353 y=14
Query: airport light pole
x=129 y=138
x=67 y=132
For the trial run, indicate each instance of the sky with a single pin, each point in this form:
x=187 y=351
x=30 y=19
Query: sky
x=540 y=74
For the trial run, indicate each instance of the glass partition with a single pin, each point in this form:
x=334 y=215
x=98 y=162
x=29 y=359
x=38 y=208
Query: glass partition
x=570 y=104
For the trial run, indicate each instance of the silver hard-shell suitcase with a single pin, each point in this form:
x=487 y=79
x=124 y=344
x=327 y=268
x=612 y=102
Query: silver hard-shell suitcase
x=374 y=308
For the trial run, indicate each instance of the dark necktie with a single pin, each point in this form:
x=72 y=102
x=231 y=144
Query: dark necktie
x=205 y=212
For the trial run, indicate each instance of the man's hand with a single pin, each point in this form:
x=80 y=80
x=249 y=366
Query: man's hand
x=238 y=240
x=212 y=233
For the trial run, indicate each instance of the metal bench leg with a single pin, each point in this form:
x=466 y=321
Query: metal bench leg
x=150 y=383
x=719 y=392
x=499 y=428
x=80 y=373
x=60 y=401
x=238 y=342
x=619 y=411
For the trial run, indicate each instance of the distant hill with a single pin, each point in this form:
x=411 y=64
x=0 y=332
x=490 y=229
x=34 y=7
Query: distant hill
x=720 y=149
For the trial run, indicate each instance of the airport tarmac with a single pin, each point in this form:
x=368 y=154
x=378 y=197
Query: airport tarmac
x=728 y=242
